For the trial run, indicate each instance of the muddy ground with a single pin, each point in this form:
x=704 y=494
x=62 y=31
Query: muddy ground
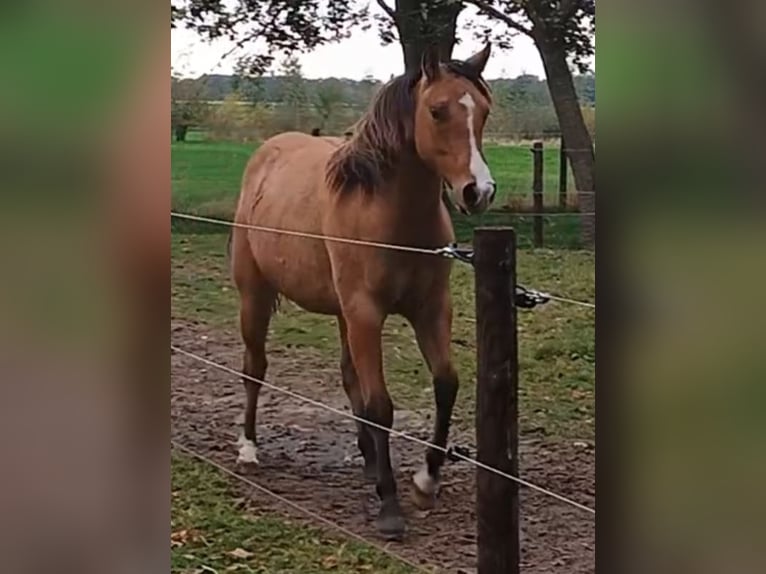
x=309 y=455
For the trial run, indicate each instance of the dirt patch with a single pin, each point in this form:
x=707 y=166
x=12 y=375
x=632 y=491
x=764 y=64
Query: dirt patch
x=309 y=455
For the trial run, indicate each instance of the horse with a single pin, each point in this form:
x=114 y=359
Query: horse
x=383 y=184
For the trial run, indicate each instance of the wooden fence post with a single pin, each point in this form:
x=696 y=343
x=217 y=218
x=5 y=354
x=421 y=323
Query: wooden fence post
x=537 y=192
x=562 y=176
x=497 y=498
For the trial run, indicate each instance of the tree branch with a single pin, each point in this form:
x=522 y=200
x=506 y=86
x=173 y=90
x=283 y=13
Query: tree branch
x=488 y=10
x=239 y=44
x=567 y=9
x=387 y=9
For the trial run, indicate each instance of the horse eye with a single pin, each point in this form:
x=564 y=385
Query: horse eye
x=439 y=113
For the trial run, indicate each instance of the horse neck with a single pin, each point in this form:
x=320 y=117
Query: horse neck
x=418 y=189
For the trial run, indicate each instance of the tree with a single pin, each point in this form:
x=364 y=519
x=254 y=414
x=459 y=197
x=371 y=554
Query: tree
x=562 y=31
x=326 y=99
x=287 y=26
x=585 y=84
x=294 y=88
x=420 y=24
x=367 y=89
x=280 y=26
x=247 y=84
x=187 y=106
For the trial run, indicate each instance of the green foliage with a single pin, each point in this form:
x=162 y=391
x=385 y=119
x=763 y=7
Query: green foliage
x=280 y=26
x=294 y=93
x=567 y=26
x=585 y=84
x=327 y=98
x=248 y=86
x=293 y=84
x=522 y=109
x=235 y=120
x=215 y=87
x=188 y=107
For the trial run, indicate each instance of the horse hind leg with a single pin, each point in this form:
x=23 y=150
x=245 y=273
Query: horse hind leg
x=257 y=302
x=353 y=390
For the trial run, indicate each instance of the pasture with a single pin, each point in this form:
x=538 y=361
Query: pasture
x=310 y=456
x=207 y=174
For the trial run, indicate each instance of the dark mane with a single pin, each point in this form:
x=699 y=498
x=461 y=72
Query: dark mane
x=369 y=157
x=380 y=136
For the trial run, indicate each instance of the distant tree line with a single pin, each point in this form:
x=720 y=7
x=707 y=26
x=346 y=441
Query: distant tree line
x=273 y=89
x=286 y=101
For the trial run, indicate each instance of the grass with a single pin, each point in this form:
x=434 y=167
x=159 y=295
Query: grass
x=206 y=177
x=210 y=533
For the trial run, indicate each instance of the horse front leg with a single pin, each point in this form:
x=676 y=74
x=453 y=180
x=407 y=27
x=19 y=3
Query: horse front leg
x=364 y=324
x=354 y=392
x=433 y=328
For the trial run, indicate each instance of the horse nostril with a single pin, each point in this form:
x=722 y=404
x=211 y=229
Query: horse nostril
x=470 y=195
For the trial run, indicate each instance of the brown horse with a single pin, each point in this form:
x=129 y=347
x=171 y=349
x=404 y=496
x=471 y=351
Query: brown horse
x=385 y=185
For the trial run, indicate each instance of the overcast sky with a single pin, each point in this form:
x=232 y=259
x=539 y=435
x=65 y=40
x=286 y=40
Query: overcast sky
x=354 y=58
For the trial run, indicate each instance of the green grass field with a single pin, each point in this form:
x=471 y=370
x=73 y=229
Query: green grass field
x=556 y=352
x=206 y=177
x=210 y=533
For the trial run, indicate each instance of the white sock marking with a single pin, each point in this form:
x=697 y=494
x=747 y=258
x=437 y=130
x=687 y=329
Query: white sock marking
x=479 y=169
x=247 y=451
x=425 y=483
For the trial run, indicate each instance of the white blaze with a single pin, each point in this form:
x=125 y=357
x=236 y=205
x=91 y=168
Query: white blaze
x=479 y=169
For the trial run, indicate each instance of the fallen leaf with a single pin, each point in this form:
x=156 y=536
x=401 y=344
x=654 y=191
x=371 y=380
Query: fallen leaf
x=241 y=553
x=178 y=538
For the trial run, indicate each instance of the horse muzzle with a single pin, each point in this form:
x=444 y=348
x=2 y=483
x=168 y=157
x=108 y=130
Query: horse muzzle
x=477 y=197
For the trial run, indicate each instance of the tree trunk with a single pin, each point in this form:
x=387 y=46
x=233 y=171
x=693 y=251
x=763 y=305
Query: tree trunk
x=416 y=33
x=181 y=130
x=573 y=130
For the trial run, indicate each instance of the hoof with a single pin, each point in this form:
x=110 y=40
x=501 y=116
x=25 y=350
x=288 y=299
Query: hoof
x=390 y=522
x=426 y=489
x=247 y=451
x=422 y=500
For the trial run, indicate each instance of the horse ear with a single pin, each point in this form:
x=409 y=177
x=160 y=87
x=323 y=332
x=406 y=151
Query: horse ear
x=479 y=60
x=429 y=64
